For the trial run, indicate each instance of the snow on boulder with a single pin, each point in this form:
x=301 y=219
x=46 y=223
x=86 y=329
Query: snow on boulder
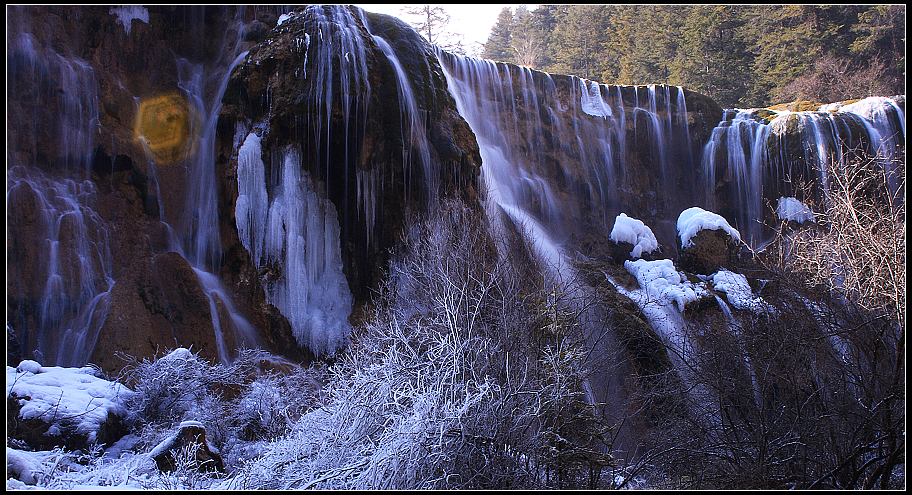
x=282 y=19
x=736 y=290
x=790 y=209
x=634 y=232
x=189 y=437
x=692 y=220
x=664 y=284
x=52 y=406
x=24 y=466
x=708 y=242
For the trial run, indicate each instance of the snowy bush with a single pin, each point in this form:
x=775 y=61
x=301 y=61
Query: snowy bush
x=453 y=383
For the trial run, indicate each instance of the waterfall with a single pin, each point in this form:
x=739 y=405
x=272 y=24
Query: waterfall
x=521 y=123
x=200 y=236
x=74 y=249
x=743 y=144
x=735 y=329
x=197 y=238
x=63 y=85
x=413 y=129
x=339 y=53
x=70 y=251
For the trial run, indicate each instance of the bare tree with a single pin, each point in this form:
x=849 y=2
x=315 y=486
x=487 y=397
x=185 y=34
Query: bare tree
x=432 y=22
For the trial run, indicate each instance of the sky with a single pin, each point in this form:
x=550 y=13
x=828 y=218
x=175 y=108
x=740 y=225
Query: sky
x=473 y=21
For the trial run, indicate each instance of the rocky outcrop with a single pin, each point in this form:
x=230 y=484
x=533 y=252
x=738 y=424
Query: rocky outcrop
x=78 y=80
x=51 y=407
x=339 y=109
x=711 y=250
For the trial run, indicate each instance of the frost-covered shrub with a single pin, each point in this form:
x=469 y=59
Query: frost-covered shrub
x=236 y=403
x=464 y=377
x=169 y=387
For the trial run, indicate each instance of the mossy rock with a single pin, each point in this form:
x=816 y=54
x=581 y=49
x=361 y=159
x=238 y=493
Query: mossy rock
x=798 y=106
x=766 y=115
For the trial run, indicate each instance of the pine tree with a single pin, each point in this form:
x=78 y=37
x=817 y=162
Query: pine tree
x=432 y=22
x=712 y=58
x=497 y=47
x=579 y=41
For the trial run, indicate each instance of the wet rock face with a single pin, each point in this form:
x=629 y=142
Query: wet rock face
x=339 y=105
x=77 y=80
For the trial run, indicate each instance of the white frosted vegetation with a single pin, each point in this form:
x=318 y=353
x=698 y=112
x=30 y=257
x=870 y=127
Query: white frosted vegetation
x=635 y=232
x=692 y=220
x=794 y=210
x=298 y=232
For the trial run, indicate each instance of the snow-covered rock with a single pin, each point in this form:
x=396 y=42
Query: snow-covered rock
x=664 y=284
x=63 y=406
x=282 y=19
x=129 y=13
x=708 y=241
x=692 y=220
x=634 y=232
x=791 y=209
x=24 y=466
x=189 y=434
x=736 y=290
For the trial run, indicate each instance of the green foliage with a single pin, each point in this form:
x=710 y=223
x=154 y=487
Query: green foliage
x=498 y=45
x=740 y=55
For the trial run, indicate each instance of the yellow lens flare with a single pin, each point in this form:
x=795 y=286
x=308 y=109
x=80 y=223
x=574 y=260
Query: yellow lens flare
x=164 y=125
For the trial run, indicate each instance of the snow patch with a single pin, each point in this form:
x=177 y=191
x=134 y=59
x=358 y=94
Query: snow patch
x=693 y=220
x=66 y=398
x=128 y=13
x=794 y=210
x=634 y=231
x=663 y=283
x=24 y=466
x=737 y=291
x=283 y=18
x=29 y=366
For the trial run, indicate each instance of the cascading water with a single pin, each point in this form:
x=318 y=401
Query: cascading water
x=755 y=152
x=510 y=109
x=741 y=142
x=735 y=329
x=556 y=150
x=413 y=130
x=72 y=246
x=75 y=298
x=66 y=86
x=197 y=238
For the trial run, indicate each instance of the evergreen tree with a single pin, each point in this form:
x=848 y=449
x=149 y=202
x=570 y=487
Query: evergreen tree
x=579 y=42
x=432 y=23
x=787 y=41
x=712 y=58
x=739 y=55
x=497 y=47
